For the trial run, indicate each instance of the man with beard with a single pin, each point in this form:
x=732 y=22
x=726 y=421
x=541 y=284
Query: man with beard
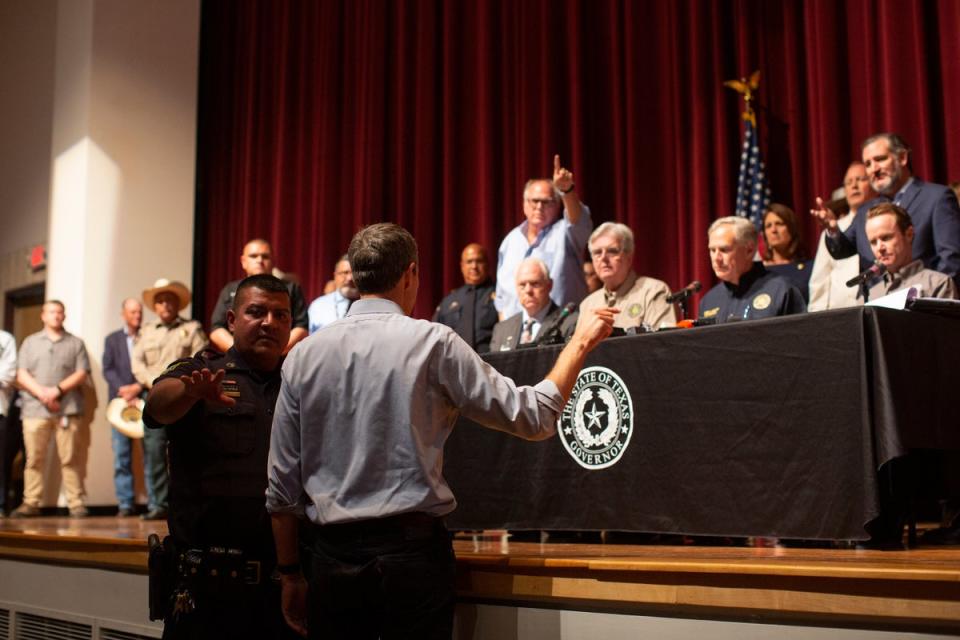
x=334 y=305
x=217 y=411
x=469 y=310
x=932 y=207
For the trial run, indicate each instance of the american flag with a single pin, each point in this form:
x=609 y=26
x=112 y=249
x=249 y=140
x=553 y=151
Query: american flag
x=753 y=196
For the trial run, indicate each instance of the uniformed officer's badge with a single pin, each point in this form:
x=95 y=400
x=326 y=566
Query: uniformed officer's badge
x=454 y=305
x=231 y=388
x=762 y=301
x=709 y=313
x=800 y=266
x=634 y=310
x=596 y=424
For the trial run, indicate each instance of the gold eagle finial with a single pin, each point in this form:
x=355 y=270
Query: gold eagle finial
x=746 y=88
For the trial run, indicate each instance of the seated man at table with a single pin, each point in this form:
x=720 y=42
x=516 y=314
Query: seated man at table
x=746 y=291
x=890 y=232
x=540 y=318
x=642 y=301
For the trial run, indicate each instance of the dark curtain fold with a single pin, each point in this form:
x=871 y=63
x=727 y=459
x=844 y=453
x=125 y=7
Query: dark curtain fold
x=318 y=117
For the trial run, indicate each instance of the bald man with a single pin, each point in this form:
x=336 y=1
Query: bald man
x=256 y=259
x=470 y=310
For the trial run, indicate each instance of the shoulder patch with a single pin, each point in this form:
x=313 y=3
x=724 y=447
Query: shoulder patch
x=762 y=301
x=709 y=313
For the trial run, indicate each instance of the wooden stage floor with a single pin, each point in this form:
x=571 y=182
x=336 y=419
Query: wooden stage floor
x=917 y=589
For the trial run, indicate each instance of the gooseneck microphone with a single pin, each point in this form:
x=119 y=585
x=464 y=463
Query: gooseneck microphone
x=684 y=293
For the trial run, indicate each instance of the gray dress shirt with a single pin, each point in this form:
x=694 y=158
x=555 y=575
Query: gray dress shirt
x=933 y=283
x=366 y=406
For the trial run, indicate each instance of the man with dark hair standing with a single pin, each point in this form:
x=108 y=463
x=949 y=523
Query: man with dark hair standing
x=469 y=310
x=357 y=448
x=217 y=412
x=255 y=259
x=117 y=349
x=932 y=207
x=52 y=368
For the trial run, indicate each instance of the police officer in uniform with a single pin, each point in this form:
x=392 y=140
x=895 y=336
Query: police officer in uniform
x=217 y=411
x=746 y=291
x=469 y=310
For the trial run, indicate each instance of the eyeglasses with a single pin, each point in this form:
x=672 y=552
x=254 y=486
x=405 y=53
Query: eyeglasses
x=612 y=252
x=543 y=202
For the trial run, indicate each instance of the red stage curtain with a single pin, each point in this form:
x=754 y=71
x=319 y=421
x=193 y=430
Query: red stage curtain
x=319 y=117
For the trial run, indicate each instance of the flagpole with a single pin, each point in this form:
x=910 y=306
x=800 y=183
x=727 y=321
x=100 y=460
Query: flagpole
x=753 y=196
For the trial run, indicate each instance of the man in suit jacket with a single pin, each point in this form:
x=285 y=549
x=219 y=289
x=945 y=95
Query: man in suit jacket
x=540 y=319
x=116 y=369
x=932 y=207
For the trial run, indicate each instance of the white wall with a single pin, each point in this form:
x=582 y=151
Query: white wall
x=119 y=143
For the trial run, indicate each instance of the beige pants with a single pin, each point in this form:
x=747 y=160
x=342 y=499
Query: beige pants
x=73 y=441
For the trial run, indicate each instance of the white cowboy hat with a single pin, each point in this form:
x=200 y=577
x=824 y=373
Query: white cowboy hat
x=128 y=420
x=173 y=286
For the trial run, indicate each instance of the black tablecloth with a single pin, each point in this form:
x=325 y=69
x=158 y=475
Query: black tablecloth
x=756 y=428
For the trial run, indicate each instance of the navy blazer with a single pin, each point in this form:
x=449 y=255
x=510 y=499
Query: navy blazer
x=936 y=223
x=116 y=362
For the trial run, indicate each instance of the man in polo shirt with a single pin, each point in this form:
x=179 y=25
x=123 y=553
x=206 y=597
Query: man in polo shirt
x=52 y=368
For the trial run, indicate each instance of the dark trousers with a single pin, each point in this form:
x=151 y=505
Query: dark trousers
x=388 y=578
x=11 y=439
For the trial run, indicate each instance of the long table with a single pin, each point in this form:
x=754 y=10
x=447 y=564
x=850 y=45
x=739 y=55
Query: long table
x=756 y=428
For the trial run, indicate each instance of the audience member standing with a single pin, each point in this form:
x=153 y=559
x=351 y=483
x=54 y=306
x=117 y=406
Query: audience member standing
x=162 y=341
x=117 y=351
x=52 y=368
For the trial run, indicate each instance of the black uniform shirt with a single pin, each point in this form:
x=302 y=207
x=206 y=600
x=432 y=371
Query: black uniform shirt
x=218 y=458
x=450 y=312
x=759 y=294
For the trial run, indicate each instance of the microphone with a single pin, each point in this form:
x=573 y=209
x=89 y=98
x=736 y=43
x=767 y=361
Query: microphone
x=875 y=270
x=553 y=335
x=685 y=293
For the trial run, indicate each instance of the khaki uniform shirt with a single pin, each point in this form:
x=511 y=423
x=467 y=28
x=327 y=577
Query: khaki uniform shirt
x=641 y=300
x=161 y=344
x=933 y=283
x=49 y=362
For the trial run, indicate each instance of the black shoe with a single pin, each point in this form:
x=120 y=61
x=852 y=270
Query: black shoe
x=157 y=513
x=124 y=512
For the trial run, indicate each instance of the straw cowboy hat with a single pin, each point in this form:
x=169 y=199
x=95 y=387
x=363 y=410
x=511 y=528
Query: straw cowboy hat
x=173 y=286
x=128 y=420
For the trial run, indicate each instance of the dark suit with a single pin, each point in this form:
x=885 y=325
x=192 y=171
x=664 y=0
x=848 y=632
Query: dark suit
x=936 y=223
x=116 y=369
x=506 y=334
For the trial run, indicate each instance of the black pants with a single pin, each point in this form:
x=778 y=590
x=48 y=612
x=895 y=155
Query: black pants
x=388 y=578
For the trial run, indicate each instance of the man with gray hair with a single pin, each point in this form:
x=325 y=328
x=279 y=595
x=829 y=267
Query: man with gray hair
x=558 y=240
x=361 y=419
x=642 y=301
x=747 y=291
x=933 y=209
x=540 y=319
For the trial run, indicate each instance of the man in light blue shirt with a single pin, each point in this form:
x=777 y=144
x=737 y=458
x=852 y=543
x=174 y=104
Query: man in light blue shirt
x=334 y=305
x=560 y=241
x=356 y=448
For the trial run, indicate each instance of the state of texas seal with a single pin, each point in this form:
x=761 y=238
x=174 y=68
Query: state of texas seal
x=597 y=422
